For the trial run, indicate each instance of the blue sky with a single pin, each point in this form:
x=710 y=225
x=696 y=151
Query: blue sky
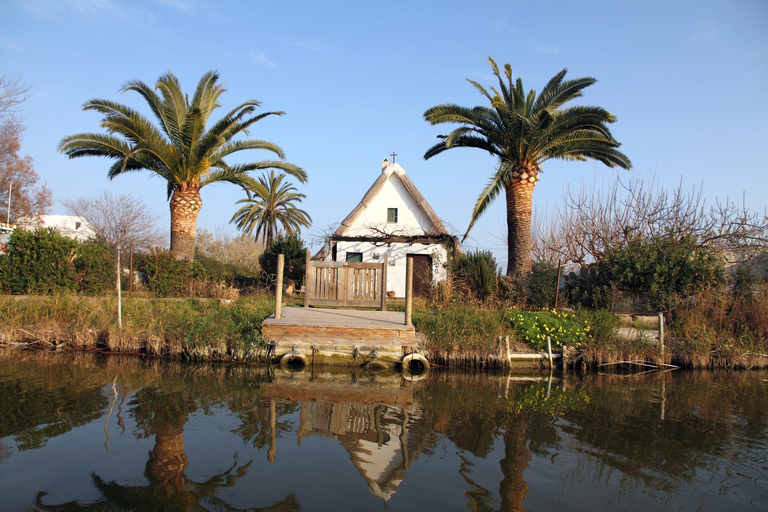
x=686 y=80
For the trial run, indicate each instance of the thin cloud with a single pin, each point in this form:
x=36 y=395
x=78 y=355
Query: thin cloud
x=52 y=8
x=261 y=59
x=184 y=6
x=314 y=45
x=8 y=44
x=543 y=48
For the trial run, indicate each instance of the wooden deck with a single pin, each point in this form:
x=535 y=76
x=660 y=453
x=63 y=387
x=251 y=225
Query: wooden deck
x=340 y=330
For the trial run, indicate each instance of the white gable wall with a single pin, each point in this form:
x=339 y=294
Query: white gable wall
x=411 y=221
x=373 y=220
x=67 y=225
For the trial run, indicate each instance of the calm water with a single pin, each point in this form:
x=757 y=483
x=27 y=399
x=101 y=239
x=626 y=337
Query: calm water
x=85 y=432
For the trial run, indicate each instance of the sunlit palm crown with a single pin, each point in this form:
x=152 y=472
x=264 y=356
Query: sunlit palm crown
x=179 y=148
x=524 y=130
x=271 y=203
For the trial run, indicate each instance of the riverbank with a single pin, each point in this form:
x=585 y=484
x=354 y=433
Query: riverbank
x=454 y=335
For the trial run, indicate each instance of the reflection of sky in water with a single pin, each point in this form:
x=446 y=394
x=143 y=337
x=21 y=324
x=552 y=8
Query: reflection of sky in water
x=442 y=448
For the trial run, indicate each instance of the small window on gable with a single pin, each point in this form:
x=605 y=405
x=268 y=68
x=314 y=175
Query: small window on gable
x=77 y=225
x=392 y=215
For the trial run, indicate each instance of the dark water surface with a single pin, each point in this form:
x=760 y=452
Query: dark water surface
x=87 y=432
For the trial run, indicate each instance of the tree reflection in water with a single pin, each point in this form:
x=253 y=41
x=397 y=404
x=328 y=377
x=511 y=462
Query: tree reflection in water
x=601 y=440
x=162 y=411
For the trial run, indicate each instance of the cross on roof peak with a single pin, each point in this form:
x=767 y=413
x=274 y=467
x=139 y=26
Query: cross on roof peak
x=393 y=156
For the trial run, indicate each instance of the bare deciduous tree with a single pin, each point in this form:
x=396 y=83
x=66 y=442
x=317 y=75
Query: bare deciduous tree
x=12 y=94
x=241 y=250
x=592 y=221
x=17 y=172
x=118 y=219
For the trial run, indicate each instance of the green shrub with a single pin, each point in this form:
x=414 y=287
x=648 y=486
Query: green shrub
x=295 y=258
x=542 y=285
x=39 y=261
x=562 y=328
x=661 y=270
x=477 y=272
x=166 y=276
x=44 y=261
x=592 y=289
x=94 y=267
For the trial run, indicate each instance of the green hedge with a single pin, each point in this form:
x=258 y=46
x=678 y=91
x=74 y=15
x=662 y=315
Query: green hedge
x=44 y=261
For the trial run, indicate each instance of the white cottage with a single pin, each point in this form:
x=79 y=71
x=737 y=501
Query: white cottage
x=394 y=219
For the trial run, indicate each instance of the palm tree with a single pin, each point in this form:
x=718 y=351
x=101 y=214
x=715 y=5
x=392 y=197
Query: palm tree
x=524 y=130
x=271 y=203
x=179 y=148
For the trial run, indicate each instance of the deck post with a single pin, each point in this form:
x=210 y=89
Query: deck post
x=661 y=334
x=384 y=282
x=307 y=278
x=408 y=290
x=279 y=287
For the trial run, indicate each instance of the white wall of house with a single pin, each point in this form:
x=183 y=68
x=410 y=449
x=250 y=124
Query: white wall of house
x=374 y=221
x=5 y=233
x=68 y=225
x=410 y=219
x=396 y=254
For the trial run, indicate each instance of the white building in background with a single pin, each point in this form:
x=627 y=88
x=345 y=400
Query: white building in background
x=68 y=225
x=394 y=219
x=5 y=232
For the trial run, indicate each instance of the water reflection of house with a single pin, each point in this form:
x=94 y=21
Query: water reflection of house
x=371 y=423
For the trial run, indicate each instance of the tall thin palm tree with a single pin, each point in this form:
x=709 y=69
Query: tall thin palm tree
x=524 y=130
x=179 y=148
x=270 y=204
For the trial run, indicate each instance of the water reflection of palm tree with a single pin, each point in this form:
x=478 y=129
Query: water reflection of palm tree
x=163 y=413
x=516 y=457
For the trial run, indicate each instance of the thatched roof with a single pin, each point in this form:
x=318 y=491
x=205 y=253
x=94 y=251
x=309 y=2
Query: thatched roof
x=392 y=171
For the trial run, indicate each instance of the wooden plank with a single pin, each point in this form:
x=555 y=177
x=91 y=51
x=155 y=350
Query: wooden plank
x=329 y=264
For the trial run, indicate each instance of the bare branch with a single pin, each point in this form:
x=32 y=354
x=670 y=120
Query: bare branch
x=593 y=221
x=12 y=94
x=241 y=250
x=121 y=219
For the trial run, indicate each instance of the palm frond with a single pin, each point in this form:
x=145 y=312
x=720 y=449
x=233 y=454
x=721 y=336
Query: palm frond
x=486 y=197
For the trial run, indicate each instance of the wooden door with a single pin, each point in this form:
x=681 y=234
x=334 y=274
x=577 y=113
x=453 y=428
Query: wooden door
x=422 y=273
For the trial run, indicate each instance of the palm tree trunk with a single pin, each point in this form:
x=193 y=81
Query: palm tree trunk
x=166 y=466
x=185 y=206
x=519 y=193
x=516 y=458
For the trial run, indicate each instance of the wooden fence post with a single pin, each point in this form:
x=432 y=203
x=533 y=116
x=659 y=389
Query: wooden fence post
x=384 y=282
x=307 y=278
x=549 y=351
x=408 y=290
x=119 y=291
x=130 y=274
x=661 y=333
x=279 y=287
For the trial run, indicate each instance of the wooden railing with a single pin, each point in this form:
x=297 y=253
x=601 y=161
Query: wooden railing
x=340 y=283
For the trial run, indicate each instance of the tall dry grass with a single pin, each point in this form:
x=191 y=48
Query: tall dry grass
x=720 y=329
x=190 y=329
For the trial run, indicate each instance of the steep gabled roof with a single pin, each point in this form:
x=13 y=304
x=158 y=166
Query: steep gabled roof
x=386 y=174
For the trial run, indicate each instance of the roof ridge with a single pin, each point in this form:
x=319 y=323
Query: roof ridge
x=374 y=190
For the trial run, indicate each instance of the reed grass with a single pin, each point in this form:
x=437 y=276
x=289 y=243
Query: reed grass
x=715 y=329
x=460 y=335
x=188 y=329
